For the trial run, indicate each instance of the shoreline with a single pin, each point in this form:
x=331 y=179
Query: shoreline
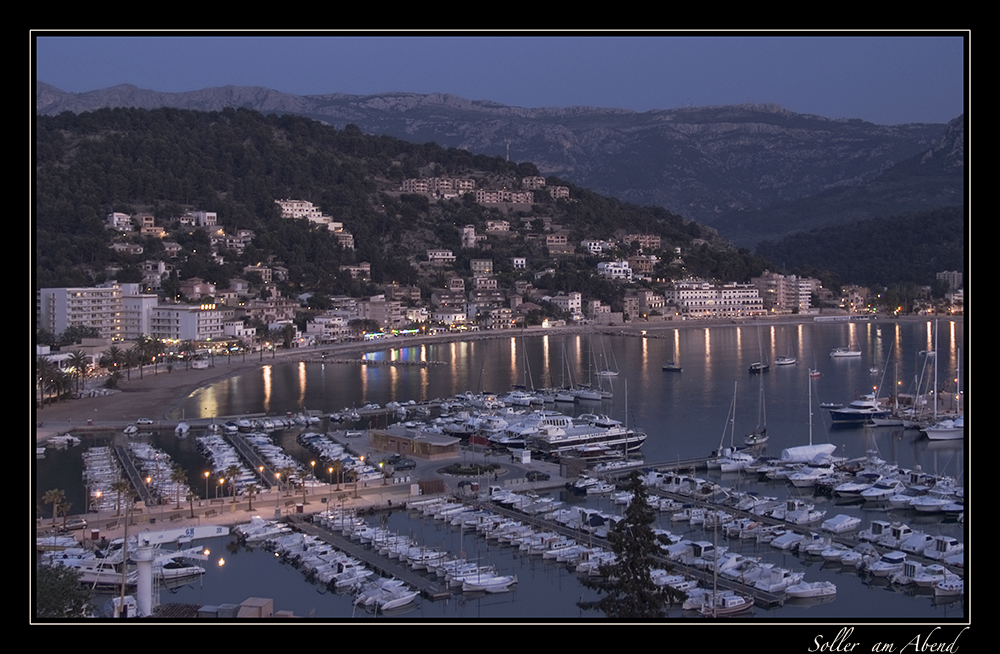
x=154 y=394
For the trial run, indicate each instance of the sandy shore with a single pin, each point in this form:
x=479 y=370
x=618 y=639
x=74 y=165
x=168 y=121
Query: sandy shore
x=153 y=395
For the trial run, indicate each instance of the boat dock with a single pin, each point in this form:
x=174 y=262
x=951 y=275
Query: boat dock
x=428 y=587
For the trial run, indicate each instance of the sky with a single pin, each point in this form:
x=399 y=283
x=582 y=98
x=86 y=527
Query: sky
x=883 y=78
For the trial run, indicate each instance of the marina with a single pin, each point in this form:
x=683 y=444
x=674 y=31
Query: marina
x=670 y=447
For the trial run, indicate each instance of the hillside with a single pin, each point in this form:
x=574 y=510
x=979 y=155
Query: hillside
x=238 y=162
x=896 y=249
x=750 y=171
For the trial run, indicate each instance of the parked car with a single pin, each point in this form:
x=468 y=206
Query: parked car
x=405 y=464
x=144 y=421
x=537 y=475
x=74 y=523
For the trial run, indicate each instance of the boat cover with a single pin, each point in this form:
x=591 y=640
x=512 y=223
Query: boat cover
x=807 y=453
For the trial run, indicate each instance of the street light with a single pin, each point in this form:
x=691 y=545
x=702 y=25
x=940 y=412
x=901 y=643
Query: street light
x=206 y=484
x=277 y=496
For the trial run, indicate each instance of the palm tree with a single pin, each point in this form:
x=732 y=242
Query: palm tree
x=112 y=358
x=179 y=477
x=119 y=487
x=55 y=497
x=44 y=369
x=338 y=470
x=57 y=382
x=132 y=358
x=80 y=362
x=232 y=472
x=286 y=472
x=251 y=490
x=64 y=508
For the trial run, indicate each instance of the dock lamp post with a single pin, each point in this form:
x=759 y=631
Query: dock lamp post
x=206 y=484
x=277 y=495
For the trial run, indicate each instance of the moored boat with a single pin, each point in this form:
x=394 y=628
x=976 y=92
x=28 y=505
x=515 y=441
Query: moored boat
x=812 y=589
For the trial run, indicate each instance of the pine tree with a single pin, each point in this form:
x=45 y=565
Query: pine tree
x=627 y=582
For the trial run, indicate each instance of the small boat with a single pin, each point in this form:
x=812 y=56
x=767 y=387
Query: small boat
x=840 y=352
x=725 y=603
x=949 y=587
x=785 y=361
x=489 y=583
x=814 y=373
x=812 y=589
x=841 y=524
x=670 y=366
x=759 y=366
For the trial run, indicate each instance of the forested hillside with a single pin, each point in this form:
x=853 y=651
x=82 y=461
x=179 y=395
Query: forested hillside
x=894 y=250
x=238 y=162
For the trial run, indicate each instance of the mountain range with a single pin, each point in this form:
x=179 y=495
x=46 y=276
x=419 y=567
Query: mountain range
x=753 y=172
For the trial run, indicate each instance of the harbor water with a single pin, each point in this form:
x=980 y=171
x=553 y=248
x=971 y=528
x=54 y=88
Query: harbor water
x=685 y=415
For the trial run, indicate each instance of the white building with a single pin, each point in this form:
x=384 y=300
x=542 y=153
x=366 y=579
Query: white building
x=702 y=299
x=187 y=322
x=571 y=302
x=615 y=270
x=97 y=307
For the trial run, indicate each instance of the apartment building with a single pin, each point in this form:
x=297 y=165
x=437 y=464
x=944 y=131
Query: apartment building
x=187 y=322
x=97 y=307
x=702 y=299
x=785 y=293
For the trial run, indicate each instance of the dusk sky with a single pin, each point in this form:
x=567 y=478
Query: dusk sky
x=879 y=78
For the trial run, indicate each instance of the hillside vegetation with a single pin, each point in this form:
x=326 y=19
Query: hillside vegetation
x=238 y=162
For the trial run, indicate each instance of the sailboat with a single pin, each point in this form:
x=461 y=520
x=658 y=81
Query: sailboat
x=948 y=429
x=807 y=453
x=761 y=365
x=607 y=372
x=759 y=435
x=730 y=459
x=672 y=366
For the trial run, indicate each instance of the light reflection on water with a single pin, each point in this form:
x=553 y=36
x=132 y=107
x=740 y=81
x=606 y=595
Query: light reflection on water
x=684 y=415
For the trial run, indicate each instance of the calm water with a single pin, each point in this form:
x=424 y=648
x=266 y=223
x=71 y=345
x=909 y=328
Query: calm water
x=684 y=415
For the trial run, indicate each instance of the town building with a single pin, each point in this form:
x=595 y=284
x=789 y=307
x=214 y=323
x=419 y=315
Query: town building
x=187 y=322
x=702 y=299
x=97 y=307
x=617 y=270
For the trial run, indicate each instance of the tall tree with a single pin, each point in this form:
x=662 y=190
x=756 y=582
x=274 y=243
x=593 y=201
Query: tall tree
x=59 y=593
x=627 y=582
x=54 y=497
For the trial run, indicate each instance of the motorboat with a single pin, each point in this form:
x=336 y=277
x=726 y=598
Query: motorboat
x=784 y=361
x=725 y=603
x=932 y=574
x=670 y=366
x=842 y=352
x=949 y=587
x=889 y=563
x=808 y=476
x=943 y=548
x=841 y=524
x=806 y=589
x=933 y=501
x=882 y=490
x=860 y=411
x=488 y=583
x=947 y=429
